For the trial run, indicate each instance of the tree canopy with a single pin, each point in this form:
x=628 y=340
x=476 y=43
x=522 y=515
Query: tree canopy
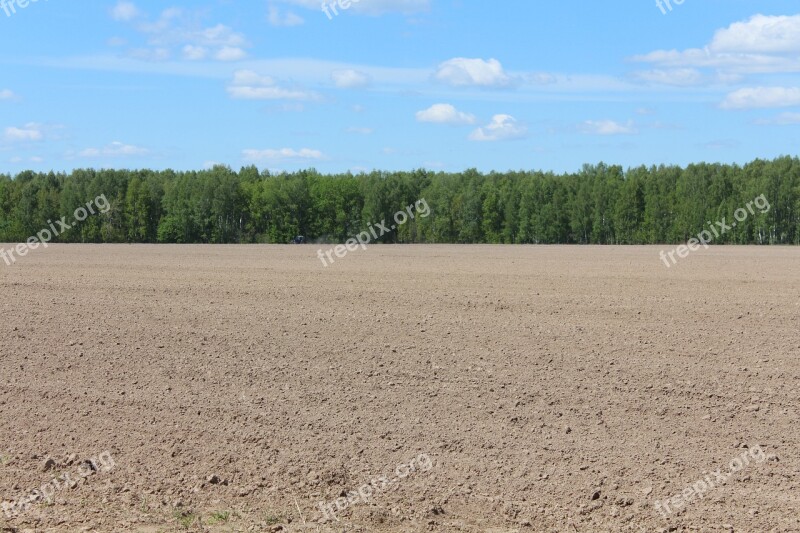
x=600 y=204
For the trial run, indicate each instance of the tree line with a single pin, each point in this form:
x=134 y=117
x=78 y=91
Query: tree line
x=600 y=204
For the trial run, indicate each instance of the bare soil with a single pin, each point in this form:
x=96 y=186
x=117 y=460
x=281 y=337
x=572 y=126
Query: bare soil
x=555 y=389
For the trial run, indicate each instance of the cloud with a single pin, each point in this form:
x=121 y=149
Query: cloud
x=724 y=144
x=219 y=35
x=283 y=154
x=151 y=54
x=226 y=53
x=114 y=149
x=445 y=114
x=230 y=53
x=677 y=76
x=32 y=159
x=178 y=29
x=317 y=73
x=6 y=94
x=765 y=34
x=289 y=19
x=29 y=132
x=784 y=119
x=762 y=97
x=349 y=78
x=464 y=72
x=371 y=7
x=608 y=127
x=124 y=11
x=501 y=128
x=540 y=78
x=194 y=53
x=762 y=44
x=249 y=85
x=304 y=71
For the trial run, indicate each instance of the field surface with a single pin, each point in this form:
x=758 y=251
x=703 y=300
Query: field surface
x=479 y=388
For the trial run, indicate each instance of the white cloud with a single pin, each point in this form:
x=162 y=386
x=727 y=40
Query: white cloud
x=289 y=19
x=762 y=97
x=465 y=72
x=32 y=159
x=608 y=127
x=372 y=7
x=784 y=119
x=124 y=11
x=308 y=73
x=249 y=85
x=349 y=78
x=29 y=132
x=762 y=44
x=194 y=53
x=151 y=54
x=176 y=28
x=219 y=35
x=766 y=34
x=540 y=78
x=788 y=118
x=6 y=94
x=445 y=114
x=114 y=149
x=248 y=77
x=501 y=128
x=266 y=93
x=677 y=76
x=302 y=71
x=723 y=144
x=283 y=154
x=230 y=53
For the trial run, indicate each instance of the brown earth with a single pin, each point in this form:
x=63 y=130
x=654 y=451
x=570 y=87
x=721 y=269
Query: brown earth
x=554 y=389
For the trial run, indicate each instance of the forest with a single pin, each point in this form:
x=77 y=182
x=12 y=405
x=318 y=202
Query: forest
x=600 y=204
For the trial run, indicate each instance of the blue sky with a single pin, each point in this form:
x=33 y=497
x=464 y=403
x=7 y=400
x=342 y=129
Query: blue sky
x=396 y=84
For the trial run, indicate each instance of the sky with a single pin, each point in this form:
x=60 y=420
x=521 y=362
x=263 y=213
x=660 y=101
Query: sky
x=396 y=84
